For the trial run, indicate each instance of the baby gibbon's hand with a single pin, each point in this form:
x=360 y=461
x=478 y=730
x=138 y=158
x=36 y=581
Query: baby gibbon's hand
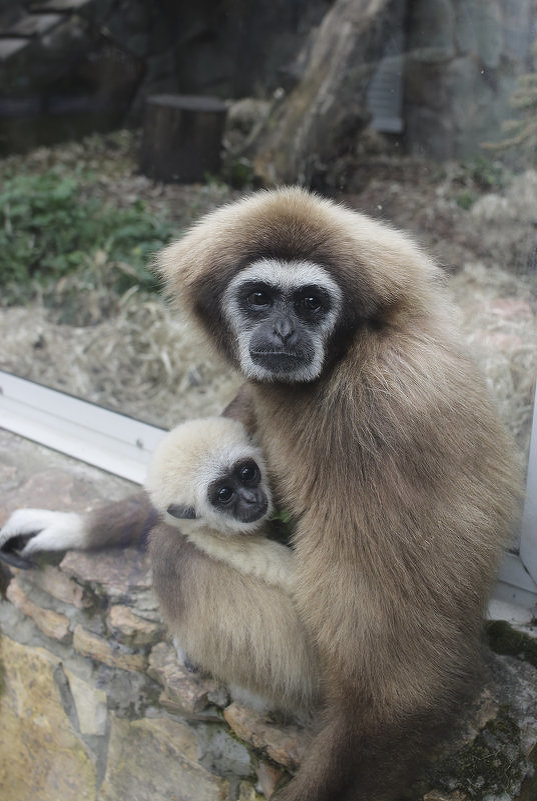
x=29 y=531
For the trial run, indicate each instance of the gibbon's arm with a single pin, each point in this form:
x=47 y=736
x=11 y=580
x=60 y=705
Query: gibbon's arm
x=117 y=524
x=241 y=408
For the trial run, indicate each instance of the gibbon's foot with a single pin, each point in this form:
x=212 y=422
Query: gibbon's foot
x=29 y=531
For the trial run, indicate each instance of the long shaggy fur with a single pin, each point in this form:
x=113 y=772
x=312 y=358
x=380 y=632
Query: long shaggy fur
x=234 y=624
x=393 y=465
x=398 y=476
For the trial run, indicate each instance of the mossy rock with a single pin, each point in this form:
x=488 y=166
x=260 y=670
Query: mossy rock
x=491 y=766
x=504 y=639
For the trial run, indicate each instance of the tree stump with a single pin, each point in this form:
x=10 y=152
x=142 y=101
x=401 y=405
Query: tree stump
x=182 y=137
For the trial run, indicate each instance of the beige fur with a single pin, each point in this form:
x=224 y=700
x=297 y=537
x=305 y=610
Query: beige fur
x=208 y=595
x=242 y=629
x=190 y=456
x=253 y=556
x=182 y=466
x=393 y=465
x=399 y=478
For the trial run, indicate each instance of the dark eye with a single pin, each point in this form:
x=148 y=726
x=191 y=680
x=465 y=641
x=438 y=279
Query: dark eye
x=248 y=473
x=259 y=299
x=309 y=303
x=225 y=494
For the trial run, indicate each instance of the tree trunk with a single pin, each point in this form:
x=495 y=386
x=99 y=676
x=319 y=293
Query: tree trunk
x=182 y=137
x=322 y=115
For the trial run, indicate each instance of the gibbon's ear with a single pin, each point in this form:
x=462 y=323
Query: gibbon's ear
x=182 y=512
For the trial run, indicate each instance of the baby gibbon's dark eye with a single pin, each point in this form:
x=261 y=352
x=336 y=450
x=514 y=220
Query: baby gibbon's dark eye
x=225 y=494
x=247 y=472
x=259 y=299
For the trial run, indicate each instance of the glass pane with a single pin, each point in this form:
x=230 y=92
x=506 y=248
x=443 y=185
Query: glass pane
x=434 y=112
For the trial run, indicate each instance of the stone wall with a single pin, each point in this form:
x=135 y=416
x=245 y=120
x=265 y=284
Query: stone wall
x=463 y=59
x=93 y=701
x=95 y=704
x=65 y=56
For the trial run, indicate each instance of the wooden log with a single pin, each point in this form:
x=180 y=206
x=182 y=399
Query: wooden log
x=182 y=137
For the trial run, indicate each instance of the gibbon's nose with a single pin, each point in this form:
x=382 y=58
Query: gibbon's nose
x=250 y=496
x=283 y=327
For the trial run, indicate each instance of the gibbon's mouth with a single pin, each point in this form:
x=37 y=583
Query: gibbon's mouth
x=280 y=361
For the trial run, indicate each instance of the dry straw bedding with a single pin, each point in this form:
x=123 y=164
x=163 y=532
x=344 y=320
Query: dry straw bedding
x=146 y=362
x=139 y=358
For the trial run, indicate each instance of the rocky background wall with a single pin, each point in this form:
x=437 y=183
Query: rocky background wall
x=463 y=59
x=69 y=67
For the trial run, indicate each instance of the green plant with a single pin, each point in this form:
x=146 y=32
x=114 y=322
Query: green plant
x=486 y=174
x=466 y=199
x=47 y=230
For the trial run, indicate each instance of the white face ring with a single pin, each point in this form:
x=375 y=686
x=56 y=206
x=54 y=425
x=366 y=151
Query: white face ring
x=286 y=276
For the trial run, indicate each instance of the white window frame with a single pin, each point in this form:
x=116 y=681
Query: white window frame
x=122 y=445
x=113 y=442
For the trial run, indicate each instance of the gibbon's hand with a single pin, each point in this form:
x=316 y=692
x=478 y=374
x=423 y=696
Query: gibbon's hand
x=29 y=531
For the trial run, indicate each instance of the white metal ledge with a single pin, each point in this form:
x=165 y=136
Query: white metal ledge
x=85 y=431
x=122 y=445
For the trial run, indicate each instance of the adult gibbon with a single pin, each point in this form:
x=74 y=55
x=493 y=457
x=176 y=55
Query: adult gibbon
x=381 y=444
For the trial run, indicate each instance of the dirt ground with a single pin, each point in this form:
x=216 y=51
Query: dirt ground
x=132 y=353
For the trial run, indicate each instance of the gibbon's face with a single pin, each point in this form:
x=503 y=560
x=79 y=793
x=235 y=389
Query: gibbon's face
x=239 y=493
x=235 y=501
x=282 y=315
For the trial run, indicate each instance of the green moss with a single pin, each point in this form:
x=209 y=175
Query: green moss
x=466 y=199
x=492 y=764
x=504 y=639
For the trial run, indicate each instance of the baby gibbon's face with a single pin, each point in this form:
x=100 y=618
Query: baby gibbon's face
x=239 y=493
x=207 y=472
x=235 y=501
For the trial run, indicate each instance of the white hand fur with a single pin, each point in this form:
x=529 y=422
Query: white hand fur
x=52 y=531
